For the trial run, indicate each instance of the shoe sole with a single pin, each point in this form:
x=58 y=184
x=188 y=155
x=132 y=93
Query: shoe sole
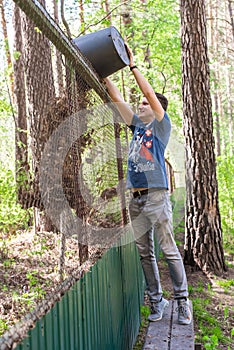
x=185 y=323
x=158 y=319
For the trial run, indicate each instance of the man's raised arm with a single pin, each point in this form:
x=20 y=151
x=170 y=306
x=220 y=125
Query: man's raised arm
x=146 y=88
x=124 y=109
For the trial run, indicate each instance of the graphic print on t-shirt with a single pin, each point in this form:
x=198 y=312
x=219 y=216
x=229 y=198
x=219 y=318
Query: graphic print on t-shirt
x=140 y=156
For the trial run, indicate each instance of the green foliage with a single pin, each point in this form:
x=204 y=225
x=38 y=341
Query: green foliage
x=16 y=55
x=3 y=326
x=5 y=107
x=225 y=170
x=177 y=200
x=226 y=284
x=210 y=342
x=153 y=32
x=145 y=311
x=210 y=332
x=12 y=216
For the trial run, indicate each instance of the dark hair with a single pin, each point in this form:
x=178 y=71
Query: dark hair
x=163 y=100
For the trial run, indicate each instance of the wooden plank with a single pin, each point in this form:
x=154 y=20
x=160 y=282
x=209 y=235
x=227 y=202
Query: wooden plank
x=168 y=334
x=182 y=336
x=158 y=333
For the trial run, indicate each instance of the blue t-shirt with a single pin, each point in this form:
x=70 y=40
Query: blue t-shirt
x=146 y=163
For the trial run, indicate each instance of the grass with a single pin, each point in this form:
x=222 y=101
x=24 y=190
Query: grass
x=209 y=322
x=145 y=311
x=29 y=270
x=212 y=318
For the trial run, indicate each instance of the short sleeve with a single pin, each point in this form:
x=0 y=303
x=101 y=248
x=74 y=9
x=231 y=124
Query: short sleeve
x=162 y=129
x=135 y=122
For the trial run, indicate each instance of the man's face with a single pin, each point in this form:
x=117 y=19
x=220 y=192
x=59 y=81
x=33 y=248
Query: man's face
x=145 y=113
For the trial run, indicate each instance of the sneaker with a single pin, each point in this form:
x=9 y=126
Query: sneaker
x=157 y=310
x=184 y=313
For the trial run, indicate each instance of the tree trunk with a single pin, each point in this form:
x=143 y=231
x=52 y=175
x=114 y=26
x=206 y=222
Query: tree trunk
x=213 y=41
x=228 y=76
x=203 y=241
x=21 y=138
x=231 y=16
x=81 y=14
x=6 y=47
x=76 y=94
x=64 y=19
x=58 y=57
x=40 y=95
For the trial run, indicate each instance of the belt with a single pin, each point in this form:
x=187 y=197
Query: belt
x=140 y=193
x=146 y=191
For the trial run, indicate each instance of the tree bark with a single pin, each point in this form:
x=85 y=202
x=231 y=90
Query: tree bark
x=21 y=139
x=81 y=14
x=231 y=16
x=203 y=240
x=228 y=77
x=64 y=19
x=58 y=57
x=6 y=47
x=40 y=95
x=213 y=41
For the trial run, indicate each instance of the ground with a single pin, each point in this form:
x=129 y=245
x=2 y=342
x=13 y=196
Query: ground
x=31 y=266
x=213 y=304
x=29 y=269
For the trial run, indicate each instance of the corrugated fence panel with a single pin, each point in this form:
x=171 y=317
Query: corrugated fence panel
x=100 y=312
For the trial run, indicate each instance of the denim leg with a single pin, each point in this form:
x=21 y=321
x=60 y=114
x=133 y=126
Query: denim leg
x=145 y=245
x=144 y=238
x=165 y=238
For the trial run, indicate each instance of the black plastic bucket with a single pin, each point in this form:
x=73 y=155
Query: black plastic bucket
x=105 y=49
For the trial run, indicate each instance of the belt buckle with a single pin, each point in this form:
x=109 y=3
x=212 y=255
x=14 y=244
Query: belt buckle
x=136 y=194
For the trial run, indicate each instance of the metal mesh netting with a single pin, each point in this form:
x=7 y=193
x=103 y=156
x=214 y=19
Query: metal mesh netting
x=70 y=145
x=74 y=131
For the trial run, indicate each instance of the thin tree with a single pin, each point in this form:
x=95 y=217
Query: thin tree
x=203 y=240
x=213 y=35
x=58 y=55
x=81 y=14
x=230 y=8
x=21 y=134
x=6 y=48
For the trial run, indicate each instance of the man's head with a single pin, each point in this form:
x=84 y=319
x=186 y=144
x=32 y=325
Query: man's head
x=163 y=100
x=145 y=111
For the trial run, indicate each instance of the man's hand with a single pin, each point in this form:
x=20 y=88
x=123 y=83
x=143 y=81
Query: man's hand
x=130 y=54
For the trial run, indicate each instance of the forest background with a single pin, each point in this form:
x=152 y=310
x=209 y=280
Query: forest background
x=152 y=29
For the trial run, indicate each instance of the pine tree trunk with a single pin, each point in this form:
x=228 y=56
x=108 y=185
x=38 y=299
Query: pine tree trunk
x=203 y=241
x=81 y=14
x=213 y=41
x=229 y=12
x=40 y=94
x=58 y=57
x=230 y=8
x=6 y=48
x=21 y=138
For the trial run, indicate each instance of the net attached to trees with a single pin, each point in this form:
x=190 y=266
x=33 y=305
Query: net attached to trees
x=70 y=145
x=75 y=135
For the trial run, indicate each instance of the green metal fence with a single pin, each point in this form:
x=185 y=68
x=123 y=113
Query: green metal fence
x=100 y=312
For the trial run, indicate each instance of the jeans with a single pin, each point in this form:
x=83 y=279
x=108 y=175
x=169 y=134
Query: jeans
x=151 y=215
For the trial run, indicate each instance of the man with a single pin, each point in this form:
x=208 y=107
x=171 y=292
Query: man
x=150 y=208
